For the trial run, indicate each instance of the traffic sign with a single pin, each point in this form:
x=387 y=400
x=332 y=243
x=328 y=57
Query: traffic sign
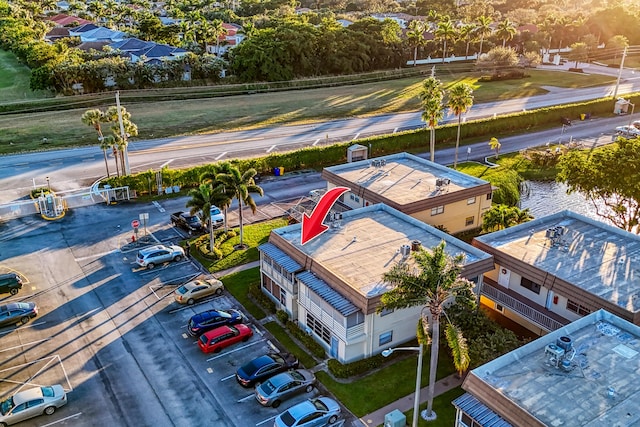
x=135 y=223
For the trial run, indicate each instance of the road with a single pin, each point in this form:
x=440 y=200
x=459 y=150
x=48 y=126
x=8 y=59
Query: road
x=74 y=168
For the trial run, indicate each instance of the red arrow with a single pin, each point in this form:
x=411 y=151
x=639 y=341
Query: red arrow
x=312 y=226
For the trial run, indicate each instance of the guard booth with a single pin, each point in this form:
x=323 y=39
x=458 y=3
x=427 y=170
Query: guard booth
x=622 y=106
x=356 y=152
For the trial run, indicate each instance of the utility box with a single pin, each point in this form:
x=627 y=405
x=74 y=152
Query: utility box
x=621 y=106
x=395 y=418
x=357 y=152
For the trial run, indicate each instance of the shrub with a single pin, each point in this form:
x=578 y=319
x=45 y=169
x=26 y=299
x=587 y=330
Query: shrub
x=307 y=340
x=256 y=293
x=282 y=316
x=359 y=367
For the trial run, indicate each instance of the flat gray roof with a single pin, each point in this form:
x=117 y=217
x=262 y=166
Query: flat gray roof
x=404 y=178
x=367 y=243
x=594 y=256
x=599 y=386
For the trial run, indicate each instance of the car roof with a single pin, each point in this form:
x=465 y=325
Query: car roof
x=204 y=315
x=280 y=379
x=14 y=306
x=220 y=330
x=8 y=275
x=301 y=409
x=152 y=248
x=27 y=395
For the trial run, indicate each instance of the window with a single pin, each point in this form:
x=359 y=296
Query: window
x=488 y=196
x=386 y=311
x=532 y=286
x=577 y=308
x=469 y=220
x=283 y=297
x=351 y=196
x=499 y=308
x=471 y=200
x=357 y=199
x=437 y=210
x=319 y=329
x=385 y=338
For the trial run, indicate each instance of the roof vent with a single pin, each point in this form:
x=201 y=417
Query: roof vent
x=416 y=245
x=405 y=250
x=564 y=343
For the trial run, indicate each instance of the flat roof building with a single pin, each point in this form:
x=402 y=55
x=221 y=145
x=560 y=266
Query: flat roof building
x=429 y=192
x=332 y=285
x=585 y=374
x=557 y=268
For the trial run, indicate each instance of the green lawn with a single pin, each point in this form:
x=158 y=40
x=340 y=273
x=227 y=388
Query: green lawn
x=14 y=80
x=24 y=132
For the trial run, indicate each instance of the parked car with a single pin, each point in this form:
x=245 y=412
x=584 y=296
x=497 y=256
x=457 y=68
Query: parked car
x=31 y=403
x=216 y=216
x=17 y=312
x=263 y=367
x=186 y=221
x=154 y=255
x=284 y=385
x=320 y=411
x=211 y=319
x=628 y=130
x=224 y=336
x=636 y=124
x=10 y=283
x=192 y=291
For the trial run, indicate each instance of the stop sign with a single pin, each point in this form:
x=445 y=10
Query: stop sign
x=135 y=223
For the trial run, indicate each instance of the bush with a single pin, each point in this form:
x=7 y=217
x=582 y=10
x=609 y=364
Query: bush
x=307 y=340
x=282 y=316
x=359 y=367
x=256 y=293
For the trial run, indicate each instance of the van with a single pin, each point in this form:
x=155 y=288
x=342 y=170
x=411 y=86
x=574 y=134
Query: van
x=10 y=283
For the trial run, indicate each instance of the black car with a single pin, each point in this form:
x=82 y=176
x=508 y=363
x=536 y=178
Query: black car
x=17 y=312
x=263 y=367
x=10 y=283
x=211 y=319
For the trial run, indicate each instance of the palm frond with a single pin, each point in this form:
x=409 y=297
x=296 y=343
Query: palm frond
x=459 y=348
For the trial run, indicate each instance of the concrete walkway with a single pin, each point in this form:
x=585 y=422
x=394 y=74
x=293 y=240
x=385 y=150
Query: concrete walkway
x=405 y=404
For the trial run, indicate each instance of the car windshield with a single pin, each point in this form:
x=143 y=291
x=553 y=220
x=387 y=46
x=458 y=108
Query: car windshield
x=22 y=305
x=251 y=367
x=182 y=290
x=192 y=219
x=296 y=375
x=215 y=211
x=287 y=419
x=224 y=315
x=6 y=406
x=203 y=339
x=267 y=387
x=48 y=391
x=319 y=405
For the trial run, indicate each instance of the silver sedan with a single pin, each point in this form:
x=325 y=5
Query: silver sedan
x=282 y=386
x=31 y=403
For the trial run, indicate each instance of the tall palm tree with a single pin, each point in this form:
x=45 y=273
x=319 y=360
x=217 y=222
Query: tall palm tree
x=501 y=216
x=242 y=186
x=483 y=30
x=415 y=36
x=94 y=118
x=432 y=96
x=467 y=33
x=506 y=30
x=431 y=280
x=460 y=100
x=445 y=32
x=217 y=31
x=224 y=195
x=201 y=201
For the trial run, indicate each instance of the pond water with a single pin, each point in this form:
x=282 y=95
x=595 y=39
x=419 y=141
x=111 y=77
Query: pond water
x=548 y=197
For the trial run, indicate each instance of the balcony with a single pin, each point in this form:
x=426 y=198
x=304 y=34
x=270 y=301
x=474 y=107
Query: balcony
x=515 y=302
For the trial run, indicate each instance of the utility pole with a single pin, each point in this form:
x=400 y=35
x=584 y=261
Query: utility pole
x=123 y=135
x=624 y=54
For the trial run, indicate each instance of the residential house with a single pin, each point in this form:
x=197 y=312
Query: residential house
x=56 y=33
x=331 y=286
x=585 y=374
x=432 y=193
x=100 y=34
x=230 y=39
x=558 y=268
x=63 y=20
x=138 y=50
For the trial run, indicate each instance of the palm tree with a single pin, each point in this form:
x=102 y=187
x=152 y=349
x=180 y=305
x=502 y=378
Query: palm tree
x=467 y=33
x=224 y=197
x=494 y=144
x=460 y=100
x=431 y=281
x=432 y=96
x=415 y=35
x=241 y=185
x=217 y=31
x=95 y=118
x=201 y=201
x=506 y=30
x=445 y=31
x=483 y=29
x=501 y=216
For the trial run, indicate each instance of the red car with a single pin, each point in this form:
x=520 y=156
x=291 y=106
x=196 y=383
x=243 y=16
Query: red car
x=224 y=336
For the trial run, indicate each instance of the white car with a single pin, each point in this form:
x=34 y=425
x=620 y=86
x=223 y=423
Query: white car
x=628 y=130
x=31 y=403
x=154 y=255
x=216 y=216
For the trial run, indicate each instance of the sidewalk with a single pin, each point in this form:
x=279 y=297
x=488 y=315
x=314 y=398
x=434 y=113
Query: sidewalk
x=405 y=404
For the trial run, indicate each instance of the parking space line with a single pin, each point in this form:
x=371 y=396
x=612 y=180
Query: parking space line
x=63 y=419
x=267 y=420
x=258 y=331
x=92 y=256
x=273 y=346
x=23 y=345
x=234 y=350
x=244 y=399
x=24 y=326
x=227 y=378
x=201 y=302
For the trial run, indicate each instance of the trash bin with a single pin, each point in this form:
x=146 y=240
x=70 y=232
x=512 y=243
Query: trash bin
x=395 y=418
x=276 y=171
x=582 y=116
x=281 y=170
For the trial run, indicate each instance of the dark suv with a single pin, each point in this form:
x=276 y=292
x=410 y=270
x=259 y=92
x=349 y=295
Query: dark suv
x=10 y=283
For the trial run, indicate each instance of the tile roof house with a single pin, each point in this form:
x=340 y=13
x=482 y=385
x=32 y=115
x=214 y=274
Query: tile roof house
x=558 y=268
x=332 y=284
x=137 y=49
x=63 y=20
x=228 y=40
x=101 y=33
x=586 y=374
x=429 y=192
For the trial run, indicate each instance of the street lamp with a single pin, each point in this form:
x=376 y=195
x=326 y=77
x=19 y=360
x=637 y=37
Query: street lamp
x=416 y=401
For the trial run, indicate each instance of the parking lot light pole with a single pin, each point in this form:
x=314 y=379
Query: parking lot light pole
x=416 y=400
x=48 y=184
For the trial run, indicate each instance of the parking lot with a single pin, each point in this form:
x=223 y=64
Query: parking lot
x=110 y=332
